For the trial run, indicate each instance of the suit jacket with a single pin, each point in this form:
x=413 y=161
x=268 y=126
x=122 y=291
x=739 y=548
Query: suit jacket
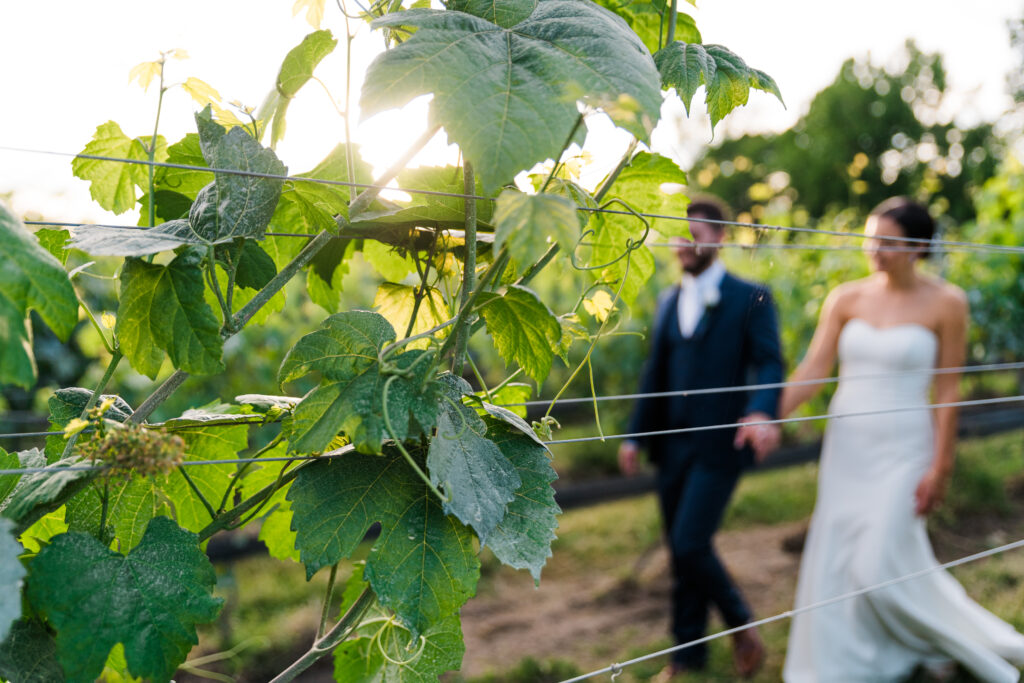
x=736 y=343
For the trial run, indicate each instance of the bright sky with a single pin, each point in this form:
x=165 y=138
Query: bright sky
x=67 y=64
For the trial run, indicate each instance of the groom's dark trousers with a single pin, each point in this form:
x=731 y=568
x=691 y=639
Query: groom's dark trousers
x=736 y=343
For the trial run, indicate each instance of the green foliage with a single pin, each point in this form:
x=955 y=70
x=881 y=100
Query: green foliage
x=113 y=184
x=350 y=398
x=726 y=77
x=296 y=70
x=477 y=478
x=29 y=654
x=524 y=330
x=392 y=654
x=30 y=279
x=491 y=92
x=423 y=577
x=150 y=600
x=162 y=312
x=641 y=184
x=530 y=223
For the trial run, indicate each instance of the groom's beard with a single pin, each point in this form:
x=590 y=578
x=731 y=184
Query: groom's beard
x=698 y=260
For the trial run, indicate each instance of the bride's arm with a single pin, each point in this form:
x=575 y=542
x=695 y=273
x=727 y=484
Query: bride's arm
x=821 y=355
x=952 y=353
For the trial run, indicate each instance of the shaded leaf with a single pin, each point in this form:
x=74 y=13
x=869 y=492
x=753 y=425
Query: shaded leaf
x=30 y=279
x=255 y=267
x=510 y=394
x=523 y=328
x=652 y=183
x=68 y=403
x=39 y=493
x=423 y=565
x=523 y=538
x=184 y=181
x=150 y=600
x=507 y=96
x=162 y=310
x=530 y=223
x=29 y=654
x=477 y=478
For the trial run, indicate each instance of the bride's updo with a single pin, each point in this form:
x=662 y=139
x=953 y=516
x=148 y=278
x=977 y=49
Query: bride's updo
x=913 y=219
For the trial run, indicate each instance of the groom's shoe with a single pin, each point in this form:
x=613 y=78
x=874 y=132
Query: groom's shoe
x=748 y=652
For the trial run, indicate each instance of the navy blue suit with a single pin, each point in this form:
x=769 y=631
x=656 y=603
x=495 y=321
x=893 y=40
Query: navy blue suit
x=736 y=343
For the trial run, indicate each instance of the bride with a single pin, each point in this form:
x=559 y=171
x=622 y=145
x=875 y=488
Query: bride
x=880 y=475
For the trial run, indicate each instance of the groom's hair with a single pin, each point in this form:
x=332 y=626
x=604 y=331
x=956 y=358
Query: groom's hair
x=913 y=219
x=708 y=207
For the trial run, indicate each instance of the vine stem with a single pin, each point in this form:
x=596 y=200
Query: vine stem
x=241 y=470
x=331 y=639
x=199 y=494
x=115 y=359
x=498 y=264
x=151 y=151
x=673 y=15
x=558 y=162
x=327 y=601
x=463 y=331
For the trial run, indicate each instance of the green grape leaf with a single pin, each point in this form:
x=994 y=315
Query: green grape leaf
x=231 y=206
x=396 y=304
x=38 y=535
x=388 y=261
x=40 y=493
x=30 y=278
x=523 y=538
x=641 y=185
x=11 y=575
x=507 y=95
x=275 y=527
x=8 y=461
x=423 y=565
x=162 y=311
x=130 y=506
x=612 y=233
x=112 y=183
x=68 y=403
x=255 y=267
x=524 y=329
x=477 y=478
x=296 y=70
x=168 y=206
x=649 y=20
x=572 y=330
x=213 y=442
x=510 y=394
x=345 y=344
x=726 y=77
x=350 y=397
x=53 y=241
x=150 y=600
x=530 y=223
x=571 y=191
x=29 y=654
x=362 y=660
x=185 y=181
x=331 y=261
x=504 y=13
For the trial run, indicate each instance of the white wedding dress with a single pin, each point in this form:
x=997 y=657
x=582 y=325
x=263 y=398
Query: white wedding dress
x=864 y=531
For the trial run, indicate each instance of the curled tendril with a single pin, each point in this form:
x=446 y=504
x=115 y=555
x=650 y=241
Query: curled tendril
x=631 y=244
x=378 y=640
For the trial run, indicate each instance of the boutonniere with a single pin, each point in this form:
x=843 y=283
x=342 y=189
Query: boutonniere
x=711 y=297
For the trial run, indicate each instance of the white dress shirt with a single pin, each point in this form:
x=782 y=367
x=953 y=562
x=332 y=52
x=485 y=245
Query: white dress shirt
x=696 y=294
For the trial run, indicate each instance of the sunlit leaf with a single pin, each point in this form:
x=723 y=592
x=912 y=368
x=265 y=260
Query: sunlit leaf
x=507 y=96
x=396 y=303
x=144 y=73
x=314 y=10
x=200 y=91
x=113 y=183
x=530 y=223
x=524 y=329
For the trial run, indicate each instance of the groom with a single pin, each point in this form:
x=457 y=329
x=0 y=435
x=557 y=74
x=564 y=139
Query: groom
x=712 y=330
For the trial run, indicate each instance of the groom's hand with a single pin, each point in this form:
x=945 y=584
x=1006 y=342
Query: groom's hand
x=629 y=458
x=764 y=439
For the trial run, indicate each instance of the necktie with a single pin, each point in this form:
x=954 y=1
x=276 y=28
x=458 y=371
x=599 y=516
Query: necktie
x=690 y=306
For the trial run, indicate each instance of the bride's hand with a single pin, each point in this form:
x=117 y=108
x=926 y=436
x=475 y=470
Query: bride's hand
x=931 y=491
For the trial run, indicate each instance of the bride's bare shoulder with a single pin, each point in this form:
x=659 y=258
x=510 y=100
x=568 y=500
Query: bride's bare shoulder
x=847 y=293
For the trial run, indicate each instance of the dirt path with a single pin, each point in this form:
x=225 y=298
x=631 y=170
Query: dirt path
x=595 y=619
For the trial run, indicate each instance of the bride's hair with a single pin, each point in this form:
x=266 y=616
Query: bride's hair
x=913 y=219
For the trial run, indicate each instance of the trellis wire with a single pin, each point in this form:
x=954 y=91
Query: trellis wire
x=755 y=246
x=555 y=442
x=965 y=369
x=789 y=420
x=617 y=667
x=457 y=195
